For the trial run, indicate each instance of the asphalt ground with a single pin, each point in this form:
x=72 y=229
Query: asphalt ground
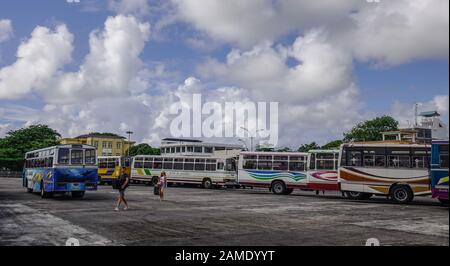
x=192 y=216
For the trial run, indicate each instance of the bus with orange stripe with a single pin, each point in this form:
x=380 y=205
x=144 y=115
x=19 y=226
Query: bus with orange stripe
x=395 y=169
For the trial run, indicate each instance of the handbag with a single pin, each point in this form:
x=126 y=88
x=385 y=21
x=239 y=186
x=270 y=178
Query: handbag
x=156 y=190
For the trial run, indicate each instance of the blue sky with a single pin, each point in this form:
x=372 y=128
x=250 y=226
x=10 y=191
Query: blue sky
x=185 y=42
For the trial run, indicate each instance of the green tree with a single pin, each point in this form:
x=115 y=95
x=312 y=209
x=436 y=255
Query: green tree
x=335 y=144
x=285 y=149
x=17 y=142
x=144 y=149
x=307 y=147
x=370 y=130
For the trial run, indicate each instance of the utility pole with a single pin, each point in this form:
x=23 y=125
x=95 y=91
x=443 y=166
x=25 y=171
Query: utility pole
x=129 y=141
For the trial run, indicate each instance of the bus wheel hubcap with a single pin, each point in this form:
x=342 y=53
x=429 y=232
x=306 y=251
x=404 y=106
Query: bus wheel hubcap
x=278 y=188
x=400 y=195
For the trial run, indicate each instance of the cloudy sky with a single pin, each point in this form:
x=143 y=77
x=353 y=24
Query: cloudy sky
x=115 y=65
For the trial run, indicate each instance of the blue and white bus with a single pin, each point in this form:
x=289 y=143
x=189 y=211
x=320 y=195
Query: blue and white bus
x=439 y=170
x=61 y=169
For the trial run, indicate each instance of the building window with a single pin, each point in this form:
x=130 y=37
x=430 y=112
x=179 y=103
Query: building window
x=104 y=145
x=96 y=144
x=119 y=145
x=110 y=144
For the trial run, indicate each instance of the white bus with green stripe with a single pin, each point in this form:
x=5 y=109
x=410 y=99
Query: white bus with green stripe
x=206 y=171
x=281 y=172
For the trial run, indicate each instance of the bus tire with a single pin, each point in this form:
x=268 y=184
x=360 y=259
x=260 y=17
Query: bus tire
x=44 y=194
x=77 y=194
x=207 y=183
x=358 y=195
x=401 y=194
x=444 y=202
x=288 y=191
x=278 y=187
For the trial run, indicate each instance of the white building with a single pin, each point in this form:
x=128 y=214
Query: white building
x=429 y=128
x=194 y=147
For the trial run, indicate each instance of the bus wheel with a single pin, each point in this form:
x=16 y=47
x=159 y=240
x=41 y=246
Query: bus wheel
x=44 y=194
x=444 y=202
x=278 y=187
x=357 y=195
x=77 y=194
x=401 y=194
x=207 y=183
x=288 y=191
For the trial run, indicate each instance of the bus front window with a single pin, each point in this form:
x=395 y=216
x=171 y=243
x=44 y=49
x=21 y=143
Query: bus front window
x=76 y=157
x=230 y=165
x=63 y=156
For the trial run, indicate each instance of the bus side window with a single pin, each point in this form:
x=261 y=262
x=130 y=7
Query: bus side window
x=312 y=164
x=443 y=160
x=188 y=164
x=89 y=156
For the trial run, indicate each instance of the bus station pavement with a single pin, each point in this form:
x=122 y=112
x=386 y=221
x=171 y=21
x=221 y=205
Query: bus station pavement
x=192 y=216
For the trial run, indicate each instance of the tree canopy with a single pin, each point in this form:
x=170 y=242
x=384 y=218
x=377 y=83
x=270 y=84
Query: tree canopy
x=307 y=147
x=17 y=142
x=144 y=149
x=335 y=144
x=370 y=130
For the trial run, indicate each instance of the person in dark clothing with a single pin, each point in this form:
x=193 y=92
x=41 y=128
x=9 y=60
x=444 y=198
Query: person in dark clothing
x=124 y=179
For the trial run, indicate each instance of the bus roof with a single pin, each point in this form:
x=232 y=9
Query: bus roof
x=440 y=142
x=64 y=146
x=183 y=157
x=274 y=153
x=323 y=151
x=384 y=144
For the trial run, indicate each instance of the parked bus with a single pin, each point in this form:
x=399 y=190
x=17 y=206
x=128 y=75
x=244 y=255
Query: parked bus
x=322 y=170
x=61 y=169
x=281 y=172
x=109 y=168
x=206 y=171
x=395 y=169
x=439 y=170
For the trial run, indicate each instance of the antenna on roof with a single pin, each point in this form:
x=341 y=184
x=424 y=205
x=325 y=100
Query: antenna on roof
x=416 y=114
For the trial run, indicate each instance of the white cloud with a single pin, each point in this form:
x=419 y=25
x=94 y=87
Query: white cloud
x=321 y=69
x=6 y=30
x=111 y=68
x=395 y=32
x=38 y=59
x=388 y=32
x=253 y=21
x=130 y=7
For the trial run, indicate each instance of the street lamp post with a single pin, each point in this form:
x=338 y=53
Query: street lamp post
x=245 y=144
x=251 y=136
x=129 y=141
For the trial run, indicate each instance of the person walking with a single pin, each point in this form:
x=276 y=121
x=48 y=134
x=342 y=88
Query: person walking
x=162 y=184
x=124 y=181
